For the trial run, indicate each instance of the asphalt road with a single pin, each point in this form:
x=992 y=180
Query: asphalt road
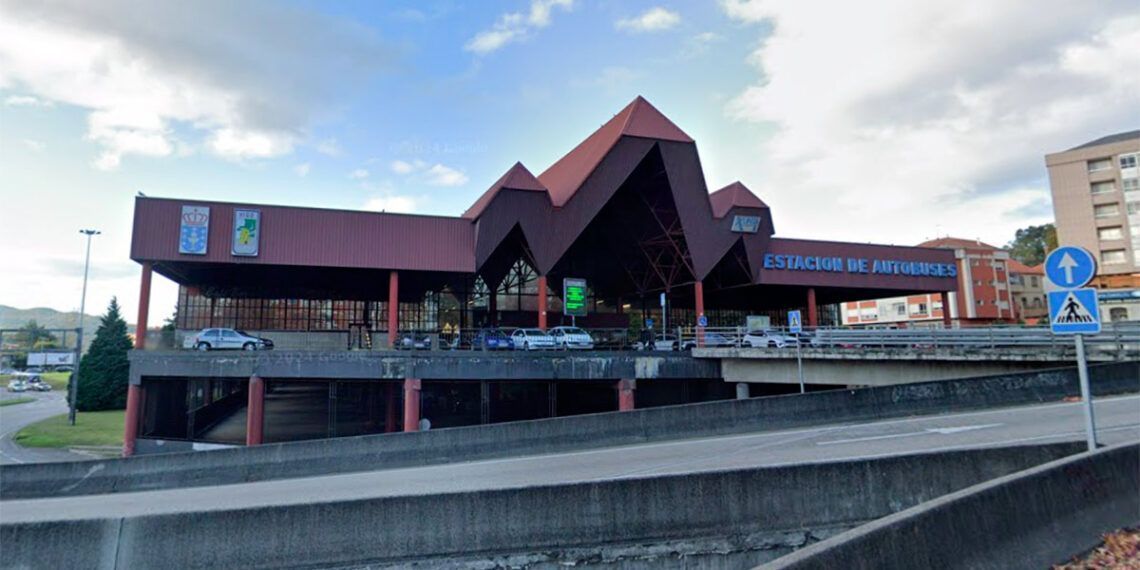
x=1118 y=420
x=15 y=417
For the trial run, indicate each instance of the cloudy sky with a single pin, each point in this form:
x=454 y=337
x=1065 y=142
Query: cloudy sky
x=882 y=120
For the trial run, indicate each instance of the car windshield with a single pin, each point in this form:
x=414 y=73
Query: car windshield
x=573 y=330
x=243 y=333
x=533 y=332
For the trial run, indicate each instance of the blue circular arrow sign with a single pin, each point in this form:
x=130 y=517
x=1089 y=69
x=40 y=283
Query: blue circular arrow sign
x=1070 y=267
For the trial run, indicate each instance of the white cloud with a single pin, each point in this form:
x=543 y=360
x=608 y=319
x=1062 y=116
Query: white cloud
x=440 y=175
x=302 y=169
x=329 y=147
x=26 y=101
x=358 y=174
x=215 y=70
x=515 y=26
x=403 y=167
x=34 y=145
x=891 y=116
x=400 y=204
x=655 y=19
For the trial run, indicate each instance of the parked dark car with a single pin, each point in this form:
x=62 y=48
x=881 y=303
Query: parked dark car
x=492 y=339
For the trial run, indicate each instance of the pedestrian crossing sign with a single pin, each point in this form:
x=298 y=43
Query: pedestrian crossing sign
x=1074 y=311
x=795 y=324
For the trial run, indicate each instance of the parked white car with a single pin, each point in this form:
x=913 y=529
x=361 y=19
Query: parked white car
x=223 y=339
x=17 y=386
x=572 y=338
x=769 y=339
x=660 y=342
x=531 y=339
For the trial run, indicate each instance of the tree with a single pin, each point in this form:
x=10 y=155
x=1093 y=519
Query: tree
x=34 y=336
x=104 y=370
x=1031 y=244
x=169 y=330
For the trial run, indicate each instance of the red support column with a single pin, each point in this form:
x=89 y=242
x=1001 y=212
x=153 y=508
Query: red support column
x=699 y=297
x=131 y=421
x=412 y=388
x=134 y=391
x=813 y=314
x=625 y=388
x=390 y=412
x=393 y=307
x=255 y=411
x=946 y=309
x=542 y=302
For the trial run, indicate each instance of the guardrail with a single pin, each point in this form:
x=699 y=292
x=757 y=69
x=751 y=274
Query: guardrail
x=1116 y=337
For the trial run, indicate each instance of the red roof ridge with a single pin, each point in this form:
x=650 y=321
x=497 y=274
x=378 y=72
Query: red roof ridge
x=637 y=119
x=517 y=177
x=953 y=242
x=734 y=195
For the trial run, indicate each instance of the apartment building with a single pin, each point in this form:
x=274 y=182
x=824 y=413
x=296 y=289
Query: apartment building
x=1027 y=287
x=1096 y=202
x=990 y=286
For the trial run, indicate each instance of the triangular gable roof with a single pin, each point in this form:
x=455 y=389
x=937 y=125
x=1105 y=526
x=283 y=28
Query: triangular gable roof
x=734 y=195
x=516 y=178
x=638 y=119
x=957 y=243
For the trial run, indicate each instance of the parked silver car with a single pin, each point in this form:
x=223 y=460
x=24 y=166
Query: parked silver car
x=769 y=339
x=531 y=339
x=572 y=338
x=223 y=339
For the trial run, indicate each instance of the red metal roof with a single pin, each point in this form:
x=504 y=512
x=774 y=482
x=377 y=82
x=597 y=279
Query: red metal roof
x=1016 y=266
x=638 y=119
x=957 y=243
x=734 y=195
x=516 y=178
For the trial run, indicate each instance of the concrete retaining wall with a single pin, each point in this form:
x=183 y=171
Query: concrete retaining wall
x=759 y=513
x=281 y=461
x=1033 y=519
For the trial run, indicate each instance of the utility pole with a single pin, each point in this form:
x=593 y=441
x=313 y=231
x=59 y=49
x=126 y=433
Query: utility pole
x=73 y=386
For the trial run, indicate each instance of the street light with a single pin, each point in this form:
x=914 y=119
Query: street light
x=73 y=386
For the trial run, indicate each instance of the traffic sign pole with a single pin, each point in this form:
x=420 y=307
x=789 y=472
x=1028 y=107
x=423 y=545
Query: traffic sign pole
x=1086 y=392
x=800 y=366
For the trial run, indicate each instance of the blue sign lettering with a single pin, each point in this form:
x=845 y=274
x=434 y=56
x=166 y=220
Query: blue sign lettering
x=858 y=265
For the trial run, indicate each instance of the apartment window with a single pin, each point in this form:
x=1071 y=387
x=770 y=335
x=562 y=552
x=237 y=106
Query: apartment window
x=1103 y=187
x=1130 y=184
x=977 y=283
x=980 y=302
x=1115 y=232
x=1113 y=257
x=1033 y=282
x=1101 y=164
x=1106 y=210
x=1133 y=208
x=1127 y=161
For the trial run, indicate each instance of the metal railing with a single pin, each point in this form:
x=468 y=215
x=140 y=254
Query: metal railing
x=1118 y=337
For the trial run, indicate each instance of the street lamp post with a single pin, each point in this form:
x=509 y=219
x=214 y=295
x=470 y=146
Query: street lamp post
x=73 y=386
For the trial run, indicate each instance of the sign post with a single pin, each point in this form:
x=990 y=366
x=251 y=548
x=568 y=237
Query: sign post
x=796 y=326
x=665 y=319
x=574 y=299
x=1074 y=310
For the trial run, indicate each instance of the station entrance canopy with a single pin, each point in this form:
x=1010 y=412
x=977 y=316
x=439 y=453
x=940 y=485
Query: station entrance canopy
x=627 y=210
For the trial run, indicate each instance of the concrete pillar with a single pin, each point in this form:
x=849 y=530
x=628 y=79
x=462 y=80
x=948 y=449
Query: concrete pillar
x=412 y=388
x=542 y=302
x=742 y=391
x=393 y=307
x=390 y=412
x=255 y=411
x=946 y=309
x=131 y=420
x=813 y=314
x=625 y=388
x=699 y=301
x=144 y=306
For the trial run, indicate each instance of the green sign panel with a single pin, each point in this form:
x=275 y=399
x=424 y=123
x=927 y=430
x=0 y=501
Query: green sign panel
x=574 y=297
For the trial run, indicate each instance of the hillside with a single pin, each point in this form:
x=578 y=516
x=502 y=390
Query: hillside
x=13 y=318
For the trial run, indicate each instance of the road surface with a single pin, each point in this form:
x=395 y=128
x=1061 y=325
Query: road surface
x=1118 y=420
x=13 y=418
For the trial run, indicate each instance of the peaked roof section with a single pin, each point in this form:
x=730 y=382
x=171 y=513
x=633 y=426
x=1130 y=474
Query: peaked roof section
x=638 y=119
x=516 y=178
x=1016 y=266
x=734 y=195
x=957 y=243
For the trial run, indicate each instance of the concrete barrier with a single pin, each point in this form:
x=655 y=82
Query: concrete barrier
x=309 y=458
x=1032 y=519
x=735 y=518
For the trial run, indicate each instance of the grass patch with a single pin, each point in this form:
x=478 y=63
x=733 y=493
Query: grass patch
x=91 y=428
x=14 y=401
x=58 y=380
